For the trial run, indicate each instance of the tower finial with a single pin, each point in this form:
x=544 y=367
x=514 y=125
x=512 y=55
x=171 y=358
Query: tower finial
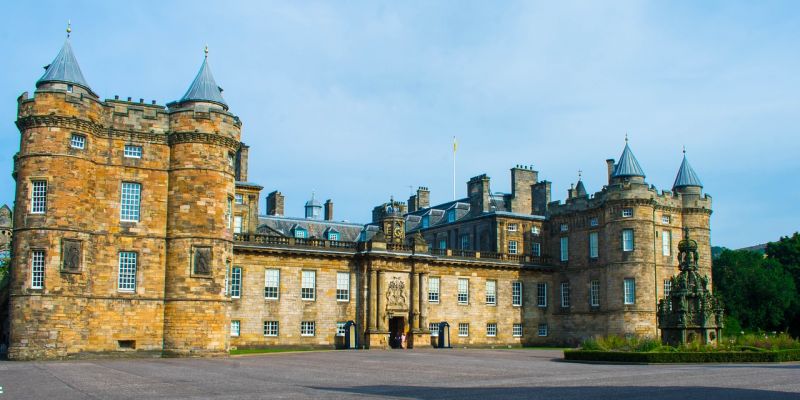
x=626 y=137
x=69 y=27
x=205 y=50
x=684 y=150
x=579 y=174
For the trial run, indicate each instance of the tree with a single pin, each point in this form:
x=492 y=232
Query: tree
x=759 y=293
x=786 y=251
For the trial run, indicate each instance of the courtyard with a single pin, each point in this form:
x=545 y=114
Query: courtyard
x=397 y=374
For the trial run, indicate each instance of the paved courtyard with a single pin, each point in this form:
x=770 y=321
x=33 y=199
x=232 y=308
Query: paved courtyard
x=417 y=374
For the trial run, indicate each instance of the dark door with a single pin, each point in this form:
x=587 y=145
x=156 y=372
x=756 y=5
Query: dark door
x=396 y=326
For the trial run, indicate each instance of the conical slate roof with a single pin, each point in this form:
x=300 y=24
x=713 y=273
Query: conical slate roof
x=627 y=165
x=580 y=190
x=686 y=176
x=204 y=88
x=64 y=68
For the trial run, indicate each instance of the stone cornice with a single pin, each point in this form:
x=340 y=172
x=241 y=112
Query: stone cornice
x=200 y=137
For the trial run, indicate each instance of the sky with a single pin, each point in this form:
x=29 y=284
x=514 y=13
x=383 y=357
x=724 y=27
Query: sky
x=359 y=101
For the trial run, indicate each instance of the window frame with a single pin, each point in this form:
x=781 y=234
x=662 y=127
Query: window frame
x=629 y=291
x=306 y=290
x=594 y=245
x=268 y=280
x=594 y=293
x=340 y=328
x=342 y=294
x=564 y=248
x=127 y=283
x=237 y=224
x=463 y=329
x=268 y=330
x=238 y=198
x=130 y=202
x=38 y=268
x=464 y=239
x=666 y=219
x=627 y=212
x=512 y=247
x=541 y=294
x=80 y=144
x=564 y=228
x=536 y=249
x=516 y=330
x=236 y=282
x=666 y=242
x=491 y=329
x=628 y=244
x=667 y=287
x=512 y=227
x=544 y=330
x=463 y=295
x=491 y=294
x=38 y=196
x=594 y=222
x=132 y=151
x=236 y=332
x=516 y=294
x=565 y=295
x=433 y=327
x=434 y=293
x=308 y=328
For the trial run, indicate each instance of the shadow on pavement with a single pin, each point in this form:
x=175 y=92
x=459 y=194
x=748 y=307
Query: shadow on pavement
x=575 y=392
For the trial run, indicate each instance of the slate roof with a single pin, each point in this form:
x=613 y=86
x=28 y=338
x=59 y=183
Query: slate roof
x=627 y=165
x=686 y=176
x=580 y=189
x=64 y=68
x=204 y=88
x=284 y=226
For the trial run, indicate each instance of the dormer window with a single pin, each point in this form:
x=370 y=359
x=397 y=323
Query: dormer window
x=333 y=235
x=300 y=233
x=451 y=215
x=426 y=221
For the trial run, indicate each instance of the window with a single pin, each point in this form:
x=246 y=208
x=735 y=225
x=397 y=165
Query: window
x=666 y=242
x=463 y=329
x=426 y=221
x=491 y=292
x=236 y=282
x=667 y=287
x=564 y=294
x=299 y=233
x=231 y=159
x=536 y=249
x=627 y=212
x=234 y=328
x=434 y=328
x=512 y=247
x=77 y=141
x=665 y=219
x=593 y=247
x=433 y=290
x=307 y=328
x=340 y=328
x=132 y=151
x=342 y=286
x=238 y=198
x=271 y=328
x=37 y=269
x=543 y=329
x=272 y=278
x=512 y=227
x=465 y=242
x=308 y=288
x=463 y=291
x=333 y=235
x=237 y=224
x=227 y=285
x=38 y=197
x=564 y=227
x=594 y=293
x=516 y=293
x=627 y=240
x=534 y=230
x=541 y=294
x=229 y=212
x=630 y=291
x=442 y=244
x=564 y=248
x=451 y=215
x=491 y=329
x=127 y=271
x=129 y=201
x=70 y=87
x=516 y=330
x=593 y=221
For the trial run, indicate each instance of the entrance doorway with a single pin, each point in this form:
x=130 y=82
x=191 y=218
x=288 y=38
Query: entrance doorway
x=397 y=326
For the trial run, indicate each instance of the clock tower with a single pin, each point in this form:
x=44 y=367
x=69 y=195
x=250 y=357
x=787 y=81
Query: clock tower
x=390 y=218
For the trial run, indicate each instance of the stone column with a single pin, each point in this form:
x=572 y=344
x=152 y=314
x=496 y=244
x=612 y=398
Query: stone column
x=373 y=295
x=421 y=305
x=380 y=309
x=413 y=301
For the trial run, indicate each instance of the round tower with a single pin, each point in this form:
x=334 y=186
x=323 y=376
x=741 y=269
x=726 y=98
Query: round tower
x=696 y=212
x=203 y=138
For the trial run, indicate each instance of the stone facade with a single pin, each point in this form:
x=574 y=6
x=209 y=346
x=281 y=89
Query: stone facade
x=211 y=273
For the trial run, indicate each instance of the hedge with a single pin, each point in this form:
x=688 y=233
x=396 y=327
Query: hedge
x=684 y=357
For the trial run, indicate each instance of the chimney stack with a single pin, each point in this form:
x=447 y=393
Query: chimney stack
x=328 y=210
x=275 y=203
x=610 y=164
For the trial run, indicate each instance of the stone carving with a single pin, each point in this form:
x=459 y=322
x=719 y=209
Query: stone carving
x=71 y=255
x=202 y=261
x=396 y=294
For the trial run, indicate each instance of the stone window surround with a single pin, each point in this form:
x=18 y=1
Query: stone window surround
x=516 y=330
x=463 y=291
x=38 y=195
x=491 y=292
x=628 y=244
x=271 y=328
x=38 y=261
x=594 y=293
x=463 y=329
x=433 y=289
x=129 y=266
x=565 y=300
x=272 y=282
x=132 y=151
x=130 y=201
x=235 y=328
x=308 y=328
x=629 y=291
x=308 y=285
x=236 y=282
x=516 y=294
x=491 y=329
x=544 y=330
x=342 y=286
x=77 y=141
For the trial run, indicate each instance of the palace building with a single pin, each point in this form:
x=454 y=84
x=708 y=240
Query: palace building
x=137 y=232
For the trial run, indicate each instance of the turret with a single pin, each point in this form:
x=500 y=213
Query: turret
x=313 y=208
x=628 y=168
x=204 y=139
x=64 y=73
x=687 y=182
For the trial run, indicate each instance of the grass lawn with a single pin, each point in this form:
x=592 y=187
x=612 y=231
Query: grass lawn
x=272 y=350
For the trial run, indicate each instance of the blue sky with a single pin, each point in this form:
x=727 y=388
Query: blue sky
x=358 y=100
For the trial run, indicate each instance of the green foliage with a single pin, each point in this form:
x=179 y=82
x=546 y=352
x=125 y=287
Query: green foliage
x=4 y=273
x=757 y=292
x=619 y=343
x=786 y=252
